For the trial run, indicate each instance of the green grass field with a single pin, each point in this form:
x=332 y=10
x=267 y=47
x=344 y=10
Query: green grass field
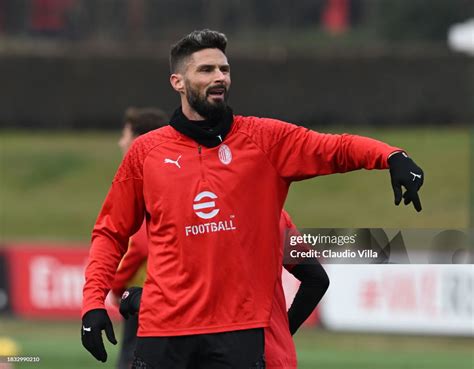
x=58 y=346
x=53 y=185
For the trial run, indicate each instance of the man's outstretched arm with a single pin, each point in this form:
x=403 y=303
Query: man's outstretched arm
x=298 y=153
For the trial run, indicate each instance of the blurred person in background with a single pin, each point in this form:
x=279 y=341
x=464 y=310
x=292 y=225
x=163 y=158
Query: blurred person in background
x=132 y=268
x=211 y=187
x=280 y=352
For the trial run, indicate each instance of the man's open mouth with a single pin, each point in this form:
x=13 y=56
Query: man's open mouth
x=216 y=92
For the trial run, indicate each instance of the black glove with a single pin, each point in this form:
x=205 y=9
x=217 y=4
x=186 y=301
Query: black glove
x=130 y=301
x=93 y=322
x=404 y=172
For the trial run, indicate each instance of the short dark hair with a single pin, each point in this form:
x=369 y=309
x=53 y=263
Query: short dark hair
x=195 y=41
x=143 y=120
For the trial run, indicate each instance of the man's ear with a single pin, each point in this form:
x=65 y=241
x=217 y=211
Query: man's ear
x=177 y=82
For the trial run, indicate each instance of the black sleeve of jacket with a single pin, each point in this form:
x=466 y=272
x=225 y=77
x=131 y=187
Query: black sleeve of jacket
x=314 y=284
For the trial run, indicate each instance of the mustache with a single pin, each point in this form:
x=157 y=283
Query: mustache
x=216 y=87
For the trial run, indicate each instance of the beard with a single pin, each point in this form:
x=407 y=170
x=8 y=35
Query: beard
x=210 y=110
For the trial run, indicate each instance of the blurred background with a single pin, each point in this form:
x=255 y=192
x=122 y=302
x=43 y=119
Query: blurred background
x=401 y=71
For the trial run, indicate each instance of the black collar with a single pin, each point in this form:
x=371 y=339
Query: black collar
x=209 y=133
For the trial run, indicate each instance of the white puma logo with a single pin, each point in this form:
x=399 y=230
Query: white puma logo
x=86 y=329
x=175 y=162
x=415 y=176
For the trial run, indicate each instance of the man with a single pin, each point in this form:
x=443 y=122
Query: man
x=132 y=268
x=211 y=187
x=279 y=347
x=280 y=350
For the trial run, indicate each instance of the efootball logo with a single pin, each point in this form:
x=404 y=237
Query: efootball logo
x=204 y=205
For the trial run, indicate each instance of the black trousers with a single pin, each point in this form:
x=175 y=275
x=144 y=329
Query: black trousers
x=242 y=349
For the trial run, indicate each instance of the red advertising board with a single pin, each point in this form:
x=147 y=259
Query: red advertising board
x=46 y=281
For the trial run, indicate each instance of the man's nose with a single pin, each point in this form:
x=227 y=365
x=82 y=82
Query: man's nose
x=219 y=75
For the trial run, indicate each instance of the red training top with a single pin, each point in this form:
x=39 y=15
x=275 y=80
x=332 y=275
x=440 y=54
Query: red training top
x=279 y=347
x=132 y=262
x=212 y=216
